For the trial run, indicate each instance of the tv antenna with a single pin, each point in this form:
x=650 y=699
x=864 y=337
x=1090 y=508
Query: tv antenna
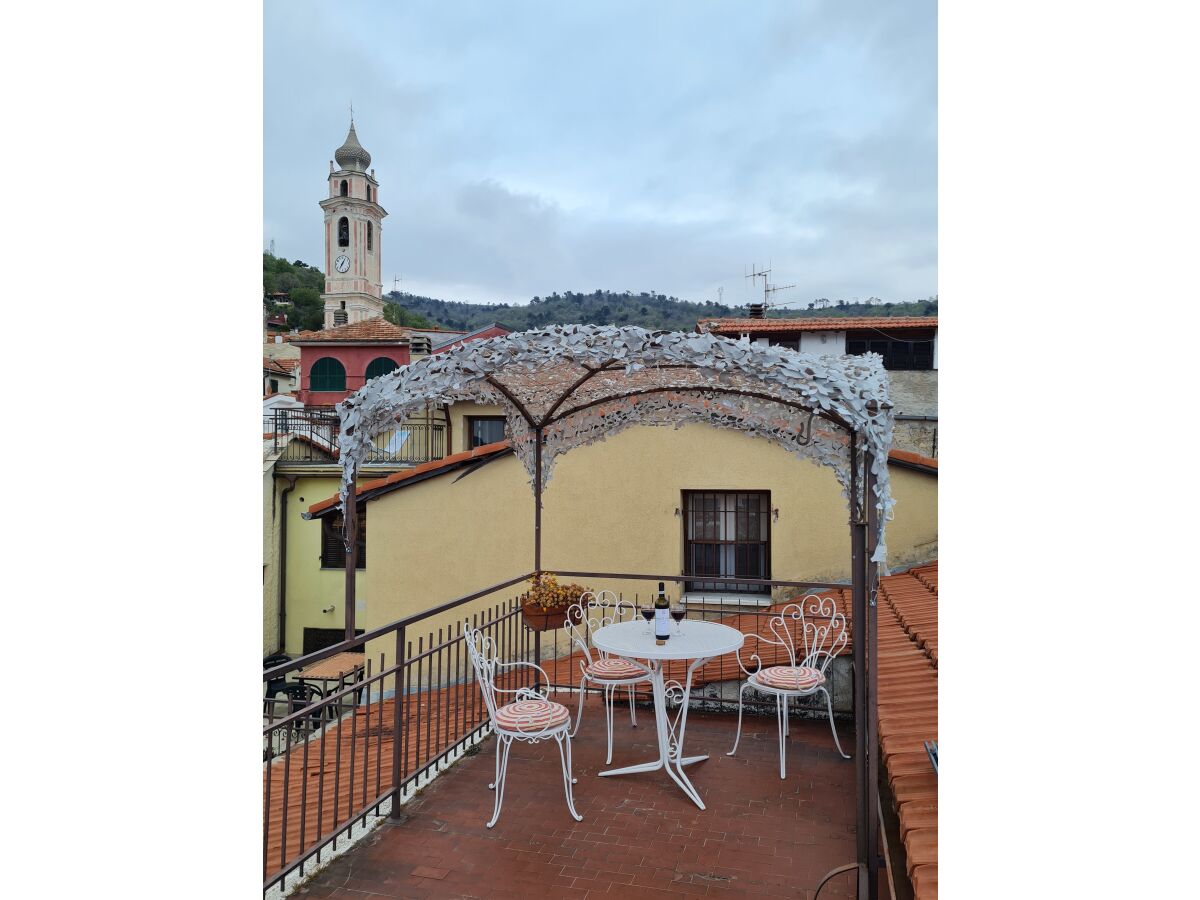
x=396 y=282
x=272 y=246
x=758 y=311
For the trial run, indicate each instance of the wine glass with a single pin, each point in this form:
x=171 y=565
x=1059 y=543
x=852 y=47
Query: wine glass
x=677 y=613
x=647 y=614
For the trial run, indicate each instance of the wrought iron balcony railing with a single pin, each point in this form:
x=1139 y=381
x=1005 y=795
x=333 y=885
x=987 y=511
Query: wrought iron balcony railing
x=310 y=435
x=334 y=761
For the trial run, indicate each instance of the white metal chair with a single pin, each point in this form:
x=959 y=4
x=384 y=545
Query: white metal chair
x=592 y=611
x=814 y=629
x=529 y=717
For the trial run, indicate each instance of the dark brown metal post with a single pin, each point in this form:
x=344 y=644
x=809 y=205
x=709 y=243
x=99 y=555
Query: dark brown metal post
x=858 y=572
x=537 y=536
x=397 y=724
x=871 y=685
x=537 y=502
x=350 y=540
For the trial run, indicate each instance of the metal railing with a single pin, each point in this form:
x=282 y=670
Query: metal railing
x=310 y=435
x=332 y=761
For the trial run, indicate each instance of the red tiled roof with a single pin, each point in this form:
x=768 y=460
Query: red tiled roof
x=913 y=459
x=283 y=366
x=908 y=712
x=399 y=479
x=373 y=330
x=829 y=323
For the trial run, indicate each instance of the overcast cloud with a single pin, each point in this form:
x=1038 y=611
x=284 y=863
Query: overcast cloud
x=524 y=148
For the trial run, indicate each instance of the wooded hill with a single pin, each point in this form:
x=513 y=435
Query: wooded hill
x=302 y=284
x=649 y=310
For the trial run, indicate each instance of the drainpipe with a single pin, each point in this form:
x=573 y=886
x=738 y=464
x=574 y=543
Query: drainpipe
x=283 y=498
x=448 y=442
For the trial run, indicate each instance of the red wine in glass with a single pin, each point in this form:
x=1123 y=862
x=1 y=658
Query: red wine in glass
x=648 y=615
x=677 y=613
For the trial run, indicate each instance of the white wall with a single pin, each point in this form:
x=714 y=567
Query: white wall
x=823 y=343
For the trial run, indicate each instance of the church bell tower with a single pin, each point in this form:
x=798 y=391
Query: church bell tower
x=353 y=234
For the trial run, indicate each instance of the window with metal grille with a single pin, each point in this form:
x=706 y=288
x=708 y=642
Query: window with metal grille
x=343 y=232
x=333 y=551
x=728 y=534
x=897 y=355
x=327 y=375
x=380 y=366
x=370 y=237
x=484 y=430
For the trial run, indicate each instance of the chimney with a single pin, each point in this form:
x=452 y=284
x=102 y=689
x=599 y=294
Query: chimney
x=756 y=310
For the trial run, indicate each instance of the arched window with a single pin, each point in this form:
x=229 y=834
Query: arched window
x=343 y=232
x=370 y=237
x=380 y=366
x=345 y=188
x=368 y=193
x=327 y=375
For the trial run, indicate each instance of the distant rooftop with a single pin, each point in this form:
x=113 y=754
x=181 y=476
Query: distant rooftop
x=376 y=330
x=827 y=323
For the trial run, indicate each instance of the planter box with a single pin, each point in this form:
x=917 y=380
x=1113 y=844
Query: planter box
x=549 y=620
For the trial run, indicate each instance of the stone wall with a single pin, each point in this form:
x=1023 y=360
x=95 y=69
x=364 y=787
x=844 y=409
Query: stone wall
x=915 y=394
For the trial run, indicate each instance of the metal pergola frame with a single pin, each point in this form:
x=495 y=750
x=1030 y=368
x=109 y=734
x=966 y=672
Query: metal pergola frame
x=864 y=531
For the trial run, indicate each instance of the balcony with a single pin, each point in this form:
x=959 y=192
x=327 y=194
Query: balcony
x=419 y=769
x=310 y=436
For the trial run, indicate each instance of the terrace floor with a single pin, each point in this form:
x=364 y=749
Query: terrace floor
x=640 y=836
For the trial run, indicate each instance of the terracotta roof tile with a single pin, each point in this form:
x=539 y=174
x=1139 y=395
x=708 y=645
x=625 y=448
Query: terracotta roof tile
x=916 y=459
x=282 y=366
x=373 y=330
x=397 y=479
x=908 y=713
x=830 y=323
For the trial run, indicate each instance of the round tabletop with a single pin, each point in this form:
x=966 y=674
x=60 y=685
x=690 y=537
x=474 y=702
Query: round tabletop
x=696 y=640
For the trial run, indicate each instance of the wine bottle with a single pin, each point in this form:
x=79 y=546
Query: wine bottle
x=662 y=616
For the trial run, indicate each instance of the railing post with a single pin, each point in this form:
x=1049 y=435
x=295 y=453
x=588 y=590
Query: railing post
x=397 y=727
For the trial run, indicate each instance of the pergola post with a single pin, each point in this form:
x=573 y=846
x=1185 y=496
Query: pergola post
x=537 y=535
x=871 y=681
x=350 y=542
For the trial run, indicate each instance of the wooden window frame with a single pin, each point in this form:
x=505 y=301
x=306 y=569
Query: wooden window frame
x=324 y=383
x=367 y=372
x=333 y=551
x=471 y=420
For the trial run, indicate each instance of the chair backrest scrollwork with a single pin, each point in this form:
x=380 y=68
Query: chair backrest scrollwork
x=593 y=610
x=811 y=633
x=485 y=659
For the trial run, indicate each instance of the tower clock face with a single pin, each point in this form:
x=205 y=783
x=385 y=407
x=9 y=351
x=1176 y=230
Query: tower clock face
x=342 y=263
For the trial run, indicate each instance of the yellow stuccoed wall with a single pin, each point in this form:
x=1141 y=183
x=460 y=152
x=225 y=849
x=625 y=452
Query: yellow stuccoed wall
x=611 y=507
x=309 y=587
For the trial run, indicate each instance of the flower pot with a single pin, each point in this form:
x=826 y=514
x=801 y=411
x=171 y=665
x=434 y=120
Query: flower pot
x=538 y=619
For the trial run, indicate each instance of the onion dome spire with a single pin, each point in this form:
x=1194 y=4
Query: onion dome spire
x=351 y=154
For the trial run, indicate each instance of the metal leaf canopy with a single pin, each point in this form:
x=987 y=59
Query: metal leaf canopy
x=576 y=384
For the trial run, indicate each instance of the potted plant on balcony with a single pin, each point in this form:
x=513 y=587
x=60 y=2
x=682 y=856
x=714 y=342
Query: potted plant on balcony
x=544 y=606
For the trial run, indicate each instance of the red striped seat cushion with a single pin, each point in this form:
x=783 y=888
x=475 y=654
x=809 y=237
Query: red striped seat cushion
x=616 y=668
x=790 y=678
x=531 y=715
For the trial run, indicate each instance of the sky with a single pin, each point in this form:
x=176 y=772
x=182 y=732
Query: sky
x=524 y=148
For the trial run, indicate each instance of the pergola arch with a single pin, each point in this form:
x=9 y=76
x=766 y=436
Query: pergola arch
x=569 y=386
x=573 y=385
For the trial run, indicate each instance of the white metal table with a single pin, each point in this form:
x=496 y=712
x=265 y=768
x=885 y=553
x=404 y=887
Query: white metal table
x=697 y=641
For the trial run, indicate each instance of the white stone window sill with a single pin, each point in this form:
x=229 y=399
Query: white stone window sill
x=714 y=598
